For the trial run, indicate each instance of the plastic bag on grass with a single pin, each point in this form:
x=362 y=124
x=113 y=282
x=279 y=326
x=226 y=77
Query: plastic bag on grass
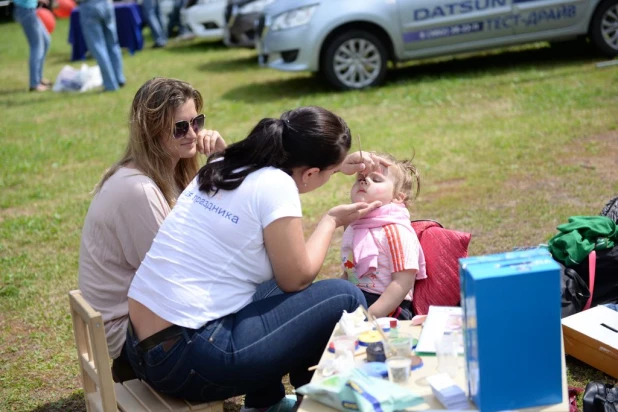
x=73 y=80
x=357 y=391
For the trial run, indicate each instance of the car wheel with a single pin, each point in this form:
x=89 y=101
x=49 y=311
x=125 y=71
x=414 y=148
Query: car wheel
x=604 y=28
x=354 y=60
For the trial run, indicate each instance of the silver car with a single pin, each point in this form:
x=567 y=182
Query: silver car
x=351 y=41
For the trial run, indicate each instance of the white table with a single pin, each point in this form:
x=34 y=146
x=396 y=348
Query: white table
x=420 y=387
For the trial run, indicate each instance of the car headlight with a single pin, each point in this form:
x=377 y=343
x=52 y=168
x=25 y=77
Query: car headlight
x=293 y=18
x=255 y=6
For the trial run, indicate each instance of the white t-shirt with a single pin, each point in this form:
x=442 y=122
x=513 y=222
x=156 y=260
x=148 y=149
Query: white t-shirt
x=209 y=256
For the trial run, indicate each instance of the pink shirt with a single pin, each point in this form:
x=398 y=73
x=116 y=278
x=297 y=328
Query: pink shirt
x=399 y=250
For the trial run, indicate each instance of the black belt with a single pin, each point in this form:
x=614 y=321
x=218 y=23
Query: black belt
x=158 y=338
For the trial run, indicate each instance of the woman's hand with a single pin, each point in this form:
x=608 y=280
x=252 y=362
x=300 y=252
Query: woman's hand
x=209 y=141
x=365 y=163
x=343 y=215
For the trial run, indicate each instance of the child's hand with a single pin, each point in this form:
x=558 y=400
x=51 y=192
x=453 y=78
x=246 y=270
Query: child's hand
x=346 y=214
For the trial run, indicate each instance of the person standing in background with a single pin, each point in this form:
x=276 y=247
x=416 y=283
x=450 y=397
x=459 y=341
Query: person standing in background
x=24 y=12
x=150 y=11
x=98 y=22
x=175 y=20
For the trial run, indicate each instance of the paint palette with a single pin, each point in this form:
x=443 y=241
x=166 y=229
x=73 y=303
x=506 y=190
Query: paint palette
x=368 y=337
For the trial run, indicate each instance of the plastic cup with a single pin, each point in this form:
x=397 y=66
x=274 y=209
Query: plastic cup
x=401 y=345
x=399 y=369
x=446 y=353
x=344 y=344
x=344 y=353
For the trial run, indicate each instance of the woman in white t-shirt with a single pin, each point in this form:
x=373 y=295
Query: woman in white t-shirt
x=135 y=195
x=195 y=332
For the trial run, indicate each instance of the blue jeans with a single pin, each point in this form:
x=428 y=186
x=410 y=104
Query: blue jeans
x=98 y=22
x=250 y=351
x=38 y=41
x=150 y=10
x=174 y=20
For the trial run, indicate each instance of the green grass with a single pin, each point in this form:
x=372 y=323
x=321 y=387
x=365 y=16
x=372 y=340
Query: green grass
x=509 y=145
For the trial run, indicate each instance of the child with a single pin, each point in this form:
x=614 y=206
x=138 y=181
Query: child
x=380 y=252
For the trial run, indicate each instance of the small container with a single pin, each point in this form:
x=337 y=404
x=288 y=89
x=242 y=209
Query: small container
x=331 y=346
x=371 y=336
x=399 y=369
x=344 y=353
x=401 y=344
x=394 y=328
x=344 y=345
x=446 y=353
x=375 y=352
x=386 y=323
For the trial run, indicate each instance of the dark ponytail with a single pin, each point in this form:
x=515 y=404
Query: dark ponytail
x=308 y=136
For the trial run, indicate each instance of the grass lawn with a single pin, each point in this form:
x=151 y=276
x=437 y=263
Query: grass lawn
x=509 y=146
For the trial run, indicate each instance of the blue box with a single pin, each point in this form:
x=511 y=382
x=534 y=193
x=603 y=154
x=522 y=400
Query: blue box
x=512 y=329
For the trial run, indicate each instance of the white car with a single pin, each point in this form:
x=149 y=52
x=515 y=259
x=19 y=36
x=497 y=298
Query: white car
x=205 y=18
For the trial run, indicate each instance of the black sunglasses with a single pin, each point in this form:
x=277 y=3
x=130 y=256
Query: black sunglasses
x=181 y=128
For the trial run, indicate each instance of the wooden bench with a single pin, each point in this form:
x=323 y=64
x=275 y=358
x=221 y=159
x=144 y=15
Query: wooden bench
x=100 y=391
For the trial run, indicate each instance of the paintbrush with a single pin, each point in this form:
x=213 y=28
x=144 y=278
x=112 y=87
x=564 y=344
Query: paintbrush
x=388 y=349
x=356 y=355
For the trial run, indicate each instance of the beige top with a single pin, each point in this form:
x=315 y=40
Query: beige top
x=121 y=223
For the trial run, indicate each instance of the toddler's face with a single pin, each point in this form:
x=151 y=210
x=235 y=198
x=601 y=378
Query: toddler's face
x=376 y=186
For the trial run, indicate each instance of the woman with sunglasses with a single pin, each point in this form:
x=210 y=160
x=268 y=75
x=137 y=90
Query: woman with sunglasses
x=135 y=195
x=197 y=330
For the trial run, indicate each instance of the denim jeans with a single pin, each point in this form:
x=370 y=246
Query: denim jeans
x=98 y=21
x=150 y=10
x=174 y=20
x=38 y=41
x=250 y=351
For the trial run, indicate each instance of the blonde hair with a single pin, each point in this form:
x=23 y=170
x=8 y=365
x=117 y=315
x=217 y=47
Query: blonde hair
x=407 y=177
x=151 y=120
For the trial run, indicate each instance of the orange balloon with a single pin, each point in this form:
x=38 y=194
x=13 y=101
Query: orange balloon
x=48 y=19
x=63 y=8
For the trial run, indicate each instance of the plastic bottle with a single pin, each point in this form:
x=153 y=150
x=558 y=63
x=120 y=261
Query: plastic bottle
x=394 y=329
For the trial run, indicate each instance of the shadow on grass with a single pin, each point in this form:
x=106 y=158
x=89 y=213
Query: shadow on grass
x=581 y=373
x=18 y=97
x=571 y=54
x=193 y=47
x=66 y=59
x=278 y=89
x=230 y=65
x=76 y=403
x=557 y=55
x=73 y=403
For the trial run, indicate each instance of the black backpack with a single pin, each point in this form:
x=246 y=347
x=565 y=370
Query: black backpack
x=575 y=281
x=575 y=284
x=574 y=291
x=605 y=288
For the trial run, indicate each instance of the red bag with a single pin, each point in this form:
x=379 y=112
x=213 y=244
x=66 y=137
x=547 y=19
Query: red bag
x=442 y=248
